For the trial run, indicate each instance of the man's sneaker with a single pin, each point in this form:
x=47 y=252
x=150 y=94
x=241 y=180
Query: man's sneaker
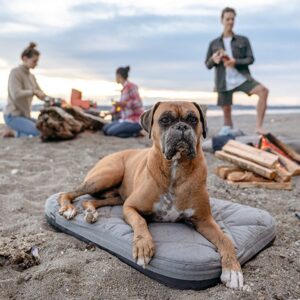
x=225 y=130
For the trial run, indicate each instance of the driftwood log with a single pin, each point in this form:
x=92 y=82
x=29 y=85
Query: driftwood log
x=88 y=121
x=56 y=123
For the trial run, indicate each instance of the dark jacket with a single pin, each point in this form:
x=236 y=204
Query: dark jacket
x=242 y=53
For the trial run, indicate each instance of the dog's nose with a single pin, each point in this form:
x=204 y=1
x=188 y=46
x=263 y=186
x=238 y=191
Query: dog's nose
x=181 y=126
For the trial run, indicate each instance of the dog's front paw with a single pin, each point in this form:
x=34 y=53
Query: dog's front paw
x=90 y=215
x=68 y=211
x=233 y=279
x=143 y=250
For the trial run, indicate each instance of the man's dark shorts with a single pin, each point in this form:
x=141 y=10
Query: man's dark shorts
x=225 y=98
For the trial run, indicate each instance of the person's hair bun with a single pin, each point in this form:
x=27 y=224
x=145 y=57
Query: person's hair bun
x=30 y=51
x=123 y=71
x=32 y=45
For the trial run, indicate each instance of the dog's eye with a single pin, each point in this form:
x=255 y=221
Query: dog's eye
x=192 y=119
x=165 y=120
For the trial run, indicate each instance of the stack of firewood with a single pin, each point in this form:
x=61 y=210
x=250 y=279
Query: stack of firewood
x=254 y=167
x=57 y=123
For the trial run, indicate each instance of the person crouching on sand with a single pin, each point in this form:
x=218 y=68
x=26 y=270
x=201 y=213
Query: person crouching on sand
x=22 y=86
x=131 y=108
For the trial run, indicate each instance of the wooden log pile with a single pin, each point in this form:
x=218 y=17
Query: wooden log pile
x=254 y=167
x=56 y=123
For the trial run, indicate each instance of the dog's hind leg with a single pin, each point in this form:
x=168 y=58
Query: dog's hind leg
x=107 y=173
x=90 y=206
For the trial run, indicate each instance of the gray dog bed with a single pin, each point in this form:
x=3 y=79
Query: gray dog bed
x=183 y=259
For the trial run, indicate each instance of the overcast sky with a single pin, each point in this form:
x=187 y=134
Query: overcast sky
x=165 y=42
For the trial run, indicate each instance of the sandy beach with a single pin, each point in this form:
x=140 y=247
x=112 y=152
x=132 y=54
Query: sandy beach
x=31 y=171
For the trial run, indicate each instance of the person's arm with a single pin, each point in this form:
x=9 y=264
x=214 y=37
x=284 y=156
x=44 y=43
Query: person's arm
x=213 y=59
x=209 y=61
x=248 y=60
x=38 y=91
x=15 y=87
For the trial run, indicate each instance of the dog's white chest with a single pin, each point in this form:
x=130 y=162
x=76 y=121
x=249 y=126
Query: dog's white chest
x=165 y=210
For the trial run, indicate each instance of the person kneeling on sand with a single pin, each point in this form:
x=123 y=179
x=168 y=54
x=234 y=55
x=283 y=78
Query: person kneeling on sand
x=22 y=86
x=131 y=108
x=230 y=54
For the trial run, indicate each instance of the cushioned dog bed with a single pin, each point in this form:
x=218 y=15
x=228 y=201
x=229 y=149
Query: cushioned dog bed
x=183 y=259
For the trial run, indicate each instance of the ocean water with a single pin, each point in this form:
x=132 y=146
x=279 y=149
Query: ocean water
x=212 y=111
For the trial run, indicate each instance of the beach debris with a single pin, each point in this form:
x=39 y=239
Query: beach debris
x=35 y=253
x=247 y=288
x=24 y=278
x=20 y=252
x=14 y=171
x=88 y=120
x=2 y=260
x=22 y=260
x=56 y=123
x=270 y=167
x=90 y=247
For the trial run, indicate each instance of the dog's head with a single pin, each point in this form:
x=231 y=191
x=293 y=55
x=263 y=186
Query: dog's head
x=175 y=127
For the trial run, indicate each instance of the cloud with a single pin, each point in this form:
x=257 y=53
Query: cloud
x=3 y=64
x=165 y=42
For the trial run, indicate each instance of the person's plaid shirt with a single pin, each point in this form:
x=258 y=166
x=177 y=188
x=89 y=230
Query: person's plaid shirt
x=134 y=106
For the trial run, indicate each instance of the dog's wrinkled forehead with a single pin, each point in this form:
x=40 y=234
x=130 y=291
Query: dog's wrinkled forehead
x=176 y=110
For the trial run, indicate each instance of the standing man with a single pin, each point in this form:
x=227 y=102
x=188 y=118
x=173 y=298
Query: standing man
x=231 y=55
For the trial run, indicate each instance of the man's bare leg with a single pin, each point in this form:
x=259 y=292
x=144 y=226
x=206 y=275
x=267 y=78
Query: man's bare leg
x=227 y=115
x=262 y=92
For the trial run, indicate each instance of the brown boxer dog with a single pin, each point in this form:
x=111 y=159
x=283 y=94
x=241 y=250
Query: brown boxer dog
x=166 y=182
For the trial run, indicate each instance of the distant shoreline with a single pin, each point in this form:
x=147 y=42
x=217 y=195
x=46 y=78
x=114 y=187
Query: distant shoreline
x=212 y=111
x=210 y=107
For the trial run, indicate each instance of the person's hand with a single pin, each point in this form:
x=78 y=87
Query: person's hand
x=121 y=104
x=108 y=113
x=216 y=57
x=39 y=94
x=230 y=63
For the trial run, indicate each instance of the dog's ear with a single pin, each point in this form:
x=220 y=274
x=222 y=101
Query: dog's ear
x=146 y=119
x=202 y=111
